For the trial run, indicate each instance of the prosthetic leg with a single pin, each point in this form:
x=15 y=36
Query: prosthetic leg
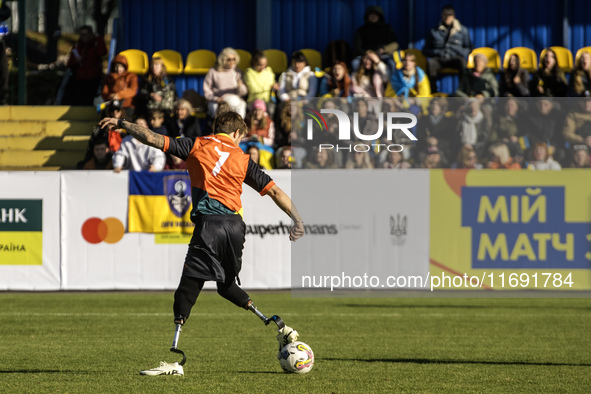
x=175 y=342
x=285 y=334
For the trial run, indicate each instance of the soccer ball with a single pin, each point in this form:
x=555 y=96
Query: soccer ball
x=296 y=357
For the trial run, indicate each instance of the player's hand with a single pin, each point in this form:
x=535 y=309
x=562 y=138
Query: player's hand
x=297 y=231
x=111 y=122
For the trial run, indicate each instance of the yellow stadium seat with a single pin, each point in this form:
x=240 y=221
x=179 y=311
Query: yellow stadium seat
x=527 y=57
x=421 y=59
x=580 y=52
x=199 y=62
x=564 y=58
x=277 y=60
x=137 y=61
x=245 y=59
x=172 y=60
x=494 y=59
x=314 y=58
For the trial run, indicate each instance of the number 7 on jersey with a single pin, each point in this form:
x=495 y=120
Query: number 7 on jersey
x=218 y=166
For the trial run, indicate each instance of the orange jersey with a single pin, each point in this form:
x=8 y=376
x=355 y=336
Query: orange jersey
x=217 y=167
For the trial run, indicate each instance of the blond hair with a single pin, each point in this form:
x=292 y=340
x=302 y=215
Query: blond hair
x=224 y=55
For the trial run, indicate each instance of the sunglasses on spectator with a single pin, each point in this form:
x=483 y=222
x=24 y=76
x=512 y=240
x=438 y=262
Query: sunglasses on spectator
x=231 y=59
x=580 y=147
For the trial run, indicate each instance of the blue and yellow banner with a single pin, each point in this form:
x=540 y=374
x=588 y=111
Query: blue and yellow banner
x=160 y=202
x=512 y=229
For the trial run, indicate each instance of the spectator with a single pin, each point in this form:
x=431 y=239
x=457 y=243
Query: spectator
x=472 y=126
x=540 y=158
x=371 y=76
x=337 y=83
x=5 y=14
x=102 y=158
x=183 y=124
x=174 y=163
x=260 y=126
x=500 y=157
x=580 y=80
x=436 y=129
x=549 y=81
x=298 y=80
x=254 y=154
x=120 y=84
x=375 y=35
x=580 y=157
x=157 y=122
x=467 y=158
x=394 y=159
x=283 y=157
x=323 y=159
x=136 y=156
x=361 y=160
x=224 y=83
x=260 y=81
x=410 y=80
x=509 y=126
x=515 y=80
x=433 y=159
x=367 y=121
x=577 y=126
x=85 y=67
x=544 y=123
x=479 y=82
x=157 y=90
x=447 y=45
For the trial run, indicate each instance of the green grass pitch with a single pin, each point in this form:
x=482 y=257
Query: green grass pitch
x=98 y=342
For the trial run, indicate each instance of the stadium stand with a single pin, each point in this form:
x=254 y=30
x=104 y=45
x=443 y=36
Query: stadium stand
x=527 y=57
x=172 y=60
x=245 y=59
x=137 y=61
x=277 y=60
x=564 y=58
x=44 y=137
x=494 y=60
x=199 y=62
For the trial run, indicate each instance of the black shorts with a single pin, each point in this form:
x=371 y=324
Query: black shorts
x=215 y=251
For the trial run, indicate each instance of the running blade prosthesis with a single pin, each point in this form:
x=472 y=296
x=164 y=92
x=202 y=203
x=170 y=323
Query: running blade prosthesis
x=175 y=343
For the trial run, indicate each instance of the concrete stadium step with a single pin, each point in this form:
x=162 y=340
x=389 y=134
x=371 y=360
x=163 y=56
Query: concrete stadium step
x=45 y=128
x=39 y=158
x=66 y=143
x=49 y=113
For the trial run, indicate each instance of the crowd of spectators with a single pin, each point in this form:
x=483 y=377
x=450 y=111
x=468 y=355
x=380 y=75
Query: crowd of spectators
x=489 y=124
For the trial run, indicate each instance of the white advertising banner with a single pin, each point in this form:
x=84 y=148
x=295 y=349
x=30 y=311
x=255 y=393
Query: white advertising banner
x=361 y=224
x=98 y=253
x=29 y=231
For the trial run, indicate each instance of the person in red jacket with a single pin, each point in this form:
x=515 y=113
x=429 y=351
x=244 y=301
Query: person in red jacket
x=120 y=84
x=86 y=68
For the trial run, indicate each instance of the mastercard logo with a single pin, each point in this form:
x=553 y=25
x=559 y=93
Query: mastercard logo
x=109 y=230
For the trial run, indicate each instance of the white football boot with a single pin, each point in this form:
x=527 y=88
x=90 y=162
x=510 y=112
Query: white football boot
x=286 y=335
x=164 y=369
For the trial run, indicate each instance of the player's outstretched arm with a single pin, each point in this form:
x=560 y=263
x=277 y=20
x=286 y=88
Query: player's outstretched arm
x=284 y=202
x=142 y=134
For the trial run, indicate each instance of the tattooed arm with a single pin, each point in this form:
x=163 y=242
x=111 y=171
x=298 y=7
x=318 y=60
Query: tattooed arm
x=142 y=134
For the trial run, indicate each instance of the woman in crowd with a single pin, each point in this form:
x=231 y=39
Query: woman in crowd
x=337 y=83
x=580 y=157
x=183 y=123
x=224 y=83
x=360 y=160
x=514 y=81
x=540 y=158
x=260 y=126
x=549 y=81
x=157 y=90
x=371 y=75
x=410 y=80
x=467 y=158
x=580 y=80
x=324 y=159
x=395 y=160
x=260 y=81
x=298 y=80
